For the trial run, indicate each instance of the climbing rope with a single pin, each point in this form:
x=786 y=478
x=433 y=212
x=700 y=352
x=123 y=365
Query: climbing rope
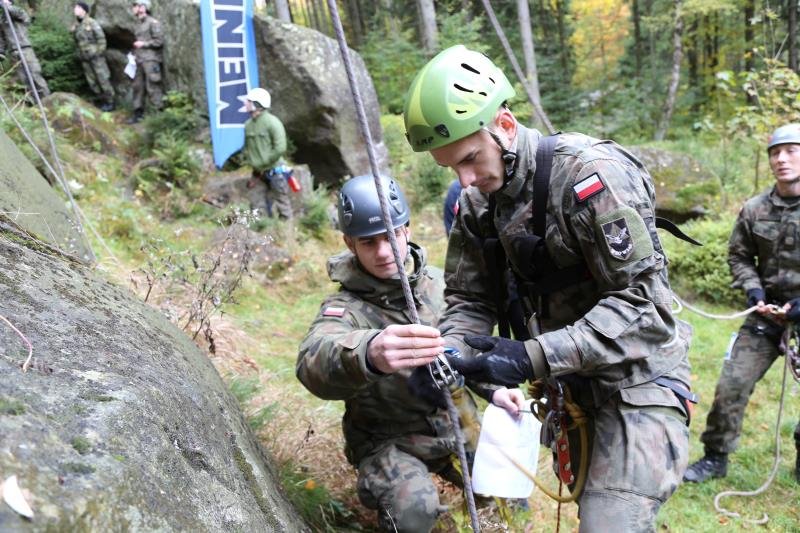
x=791 y=344
x=387 y=222
x=775 y=309
x=537 y=106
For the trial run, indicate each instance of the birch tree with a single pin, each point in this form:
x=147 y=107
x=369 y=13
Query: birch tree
x=675 y=76
x=427 y=20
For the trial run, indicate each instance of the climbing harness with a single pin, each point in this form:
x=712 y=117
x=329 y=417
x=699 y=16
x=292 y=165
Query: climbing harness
x=791 y=342
x=441 y=366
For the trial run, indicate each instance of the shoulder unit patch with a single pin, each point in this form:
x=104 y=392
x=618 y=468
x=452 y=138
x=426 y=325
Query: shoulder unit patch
x=588 y=187
x=619 y=239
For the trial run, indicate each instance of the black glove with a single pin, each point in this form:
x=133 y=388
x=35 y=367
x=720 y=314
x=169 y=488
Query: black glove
x=503 y=361
x=793 y=314
x=421 y=385
x=754 y=296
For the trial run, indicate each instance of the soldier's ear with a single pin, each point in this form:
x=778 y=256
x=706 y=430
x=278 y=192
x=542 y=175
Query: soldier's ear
x=349 y=242
x=505 y=124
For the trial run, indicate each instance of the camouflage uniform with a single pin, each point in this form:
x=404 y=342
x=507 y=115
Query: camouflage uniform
x=606 y=337
x=392 y=437
x=264 y=144
x=148 y=64
x=21 y=21
x=91 y=43
x=763 y=253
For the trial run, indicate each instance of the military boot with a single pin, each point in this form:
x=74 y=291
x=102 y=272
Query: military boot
x=137 y=116
x=710 y=466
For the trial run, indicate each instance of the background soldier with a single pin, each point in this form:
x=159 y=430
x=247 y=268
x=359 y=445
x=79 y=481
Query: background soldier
x=589 y=268
x=147 y=48
x=21 y=21
x=764 y=257
x=264 y=145
x=91 y=43
x=357 y=350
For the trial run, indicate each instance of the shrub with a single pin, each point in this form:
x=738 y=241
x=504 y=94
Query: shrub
x=56 y=51
x=702 y=271
x=315 y=218
x=178 y=120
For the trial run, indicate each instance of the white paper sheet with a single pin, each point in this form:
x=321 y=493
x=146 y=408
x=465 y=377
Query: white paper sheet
x=504 y=437
x=130 y=67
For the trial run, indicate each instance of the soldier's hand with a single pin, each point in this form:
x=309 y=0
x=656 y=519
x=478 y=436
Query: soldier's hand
x=421 y=385
x=793 y=310
x=512 y=400
x=407 y=346
x=502 y=361
x=756 y=297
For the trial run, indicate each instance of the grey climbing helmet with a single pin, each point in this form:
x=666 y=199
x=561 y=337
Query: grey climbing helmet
x=360 y=209
x=788 y=134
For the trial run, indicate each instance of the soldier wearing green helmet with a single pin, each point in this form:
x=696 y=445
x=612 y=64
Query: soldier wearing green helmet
x=359 y=349
x=764 y=259
x=571 y=219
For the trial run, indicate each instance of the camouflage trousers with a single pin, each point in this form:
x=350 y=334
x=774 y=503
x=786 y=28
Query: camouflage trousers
x=639 y=451
x=752 y=354
x=98 y=77
x=148 y=81
x=39 y=83
x=399 y=486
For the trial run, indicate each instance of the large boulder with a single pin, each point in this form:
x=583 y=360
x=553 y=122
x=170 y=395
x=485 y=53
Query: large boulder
x=121 y=423
x=684 y=188
x=33 y=206
x=301 y=67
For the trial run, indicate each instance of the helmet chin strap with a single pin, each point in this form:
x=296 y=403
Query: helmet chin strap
x=509 y=157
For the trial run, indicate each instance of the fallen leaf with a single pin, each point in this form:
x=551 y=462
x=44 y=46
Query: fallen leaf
x=14 y=498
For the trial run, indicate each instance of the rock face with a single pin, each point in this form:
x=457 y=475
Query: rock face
x=300 y=67
x=121 y=424
x=684 y=189
x=32 y=205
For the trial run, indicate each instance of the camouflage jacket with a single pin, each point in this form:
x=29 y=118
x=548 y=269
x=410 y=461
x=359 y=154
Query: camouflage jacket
x=89 y=38
x=332 y=359
x=21 y=20
x=615 y=328
x=149 y=32
x=264 y=141
x=764 y=248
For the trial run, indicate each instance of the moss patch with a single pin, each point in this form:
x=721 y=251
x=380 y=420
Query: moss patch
x=77 y=468
x=11 y=407
x=81 y=445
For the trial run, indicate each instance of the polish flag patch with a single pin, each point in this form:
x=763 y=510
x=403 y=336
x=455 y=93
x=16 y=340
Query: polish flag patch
x=588 y=187
x=333 y=311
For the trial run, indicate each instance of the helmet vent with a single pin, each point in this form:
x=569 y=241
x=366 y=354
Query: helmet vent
x=460 y=88
x=482 y=93
x=491 y=79
x=469 y=68
x=460 y=111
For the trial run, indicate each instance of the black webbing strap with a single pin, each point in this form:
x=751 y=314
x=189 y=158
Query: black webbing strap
x=670 y=226
x=541 y=182
x=494 y=256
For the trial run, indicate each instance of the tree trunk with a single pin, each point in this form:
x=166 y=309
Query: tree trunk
x=749 y=12
x=692 y=59
x=637 y=36
x=427 y=26
x=282 y=10
x=562 y=37
x=675 y=77
x=792 y=5
x=528 y=49
x=390 y=21
x=354 y=17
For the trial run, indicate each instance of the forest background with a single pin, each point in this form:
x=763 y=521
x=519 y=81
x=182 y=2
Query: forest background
x=707 y=78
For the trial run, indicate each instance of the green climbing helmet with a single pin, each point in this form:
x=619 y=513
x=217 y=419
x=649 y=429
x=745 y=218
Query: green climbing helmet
x=360 y=209
x=788 y=134
x=456 y=94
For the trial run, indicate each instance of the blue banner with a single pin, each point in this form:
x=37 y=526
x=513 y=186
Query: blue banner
x=229 y=56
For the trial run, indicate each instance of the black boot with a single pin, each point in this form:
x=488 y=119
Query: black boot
x=710 y=466
x=107 y=106
x=138 y=115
